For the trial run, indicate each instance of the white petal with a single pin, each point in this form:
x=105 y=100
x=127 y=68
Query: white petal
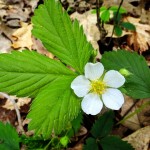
x=94 y=71
x=81 y=86
x=91 y=104
x=114 y=79
x=113 y=99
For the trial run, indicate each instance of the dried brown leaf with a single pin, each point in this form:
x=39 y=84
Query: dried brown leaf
x=141 y=38
x=22 y=37
x=20 y=102
x=88 y=21
x=140 y=139
x=132 y=122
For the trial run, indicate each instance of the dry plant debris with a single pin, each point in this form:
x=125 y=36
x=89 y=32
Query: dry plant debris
x=88 y=21
x=132 y=122
x=140 y=39
x=11 y=14
x=140 y=139
x=22 y=36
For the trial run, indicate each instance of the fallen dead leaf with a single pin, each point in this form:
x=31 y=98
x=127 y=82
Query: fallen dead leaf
x=5 y=44
x=138 y=116
x=132 y=122
x=139 y=139
x=22 y=37
x=7 y=115
x=18 y=10
x=88 y=21
x=19 y=101
x=39 y=47
x=144 y=115
x=141 y=38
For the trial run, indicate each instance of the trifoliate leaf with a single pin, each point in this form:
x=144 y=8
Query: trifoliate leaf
x=66 y=40
x=105 y=16
x=26 y=73
x=91 y=144
x=128 y=26
x=138 y=84
x=114 y=143
x=9 y=139
x=54 y=108
x=103 y=125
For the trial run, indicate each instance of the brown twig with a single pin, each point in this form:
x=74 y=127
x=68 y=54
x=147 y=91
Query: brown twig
x=98 y=14
x=16 y=109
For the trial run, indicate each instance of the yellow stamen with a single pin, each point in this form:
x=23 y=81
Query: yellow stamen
x=98 y=87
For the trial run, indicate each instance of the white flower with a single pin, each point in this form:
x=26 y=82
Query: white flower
x=98 y=87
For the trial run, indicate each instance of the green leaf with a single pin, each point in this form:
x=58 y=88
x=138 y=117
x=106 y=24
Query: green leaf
x=32 y=142
x=66 y=40
x=105 y=16
x=114 y=143
x=26 y=73
x=91 y=144
x=118 y=30
x=75 y=125
x=54 y=108
x=128 y=26
x=115 y=9
x=138 y=84
x=9 y=139
x=103 y=125
x=103 y=8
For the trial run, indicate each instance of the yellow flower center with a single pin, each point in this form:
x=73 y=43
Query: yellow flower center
x=98 y=87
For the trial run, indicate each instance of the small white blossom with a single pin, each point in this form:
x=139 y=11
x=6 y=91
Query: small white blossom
x=98 y=88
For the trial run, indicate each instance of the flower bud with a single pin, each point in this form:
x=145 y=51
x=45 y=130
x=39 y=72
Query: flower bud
x=125 y=72
x=94 y=53
x=64 y=141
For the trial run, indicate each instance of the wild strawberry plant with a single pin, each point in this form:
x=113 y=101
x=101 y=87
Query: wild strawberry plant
x=51 y=83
